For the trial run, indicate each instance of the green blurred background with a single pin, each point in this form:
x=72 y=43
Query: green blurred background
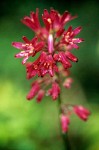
x=28 y=125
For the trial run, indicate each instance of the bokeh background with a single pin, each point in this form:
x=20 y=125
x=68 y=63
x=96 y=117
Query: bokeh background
x=28 y=125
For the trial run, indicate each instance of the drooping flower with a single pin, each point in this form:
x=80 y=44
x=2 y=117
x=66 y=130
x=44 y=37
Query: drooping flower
x=81 y=112
x=34 y=90
x=40 y=95
x=54 y=91
x=71 y=57
x=65 y=121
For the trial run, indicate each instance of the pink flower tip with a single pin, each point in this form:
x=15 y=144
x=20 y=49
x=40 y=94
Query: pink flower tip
x=81 y=112
x=64 y=123
x=67 y=83
x=34 y=90
x=54 y=91
x=40 y=95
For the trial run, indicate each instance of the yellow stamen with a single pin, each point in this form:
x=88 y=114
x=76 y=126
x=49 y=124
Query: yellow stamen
x=49 y=20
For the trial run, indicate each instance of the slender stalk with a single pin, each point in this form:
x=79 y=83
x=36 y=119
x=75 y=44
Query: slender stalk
x=64 y=135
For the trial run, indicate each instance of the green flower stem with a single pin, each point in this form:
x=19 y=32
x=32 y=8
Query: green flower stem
x=64 y=135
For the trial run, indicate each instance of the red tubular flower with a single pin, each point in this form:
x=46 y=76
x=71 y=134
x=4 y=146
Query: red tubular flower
x=61 y=57
x=81 y=112
x=54 y=91
x=65 y=121
x=66 y=17
x=68 y=37
x=48 y=18
x=40 y=95
x=29 y=48
x=31 y=69
x=48 y=65
x=71 y=57
x=34 y=90
x=54 y=20
x=33 y=21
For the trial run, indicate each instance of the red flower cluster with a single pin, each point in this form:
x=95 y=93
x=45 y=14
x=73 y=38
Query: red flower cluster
x=53 y=44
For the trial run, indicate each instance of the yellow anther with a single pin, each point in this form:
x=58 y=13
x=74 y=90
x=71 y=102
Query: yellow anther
x=22 y=51
x=26 y=54
x=44 y=64
x=49 y=20
x=27 y=44
x=31 y=51
x=48 y=64
x=35 y=67
x=68 y=33
x=50 y=67
x=66 y=39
